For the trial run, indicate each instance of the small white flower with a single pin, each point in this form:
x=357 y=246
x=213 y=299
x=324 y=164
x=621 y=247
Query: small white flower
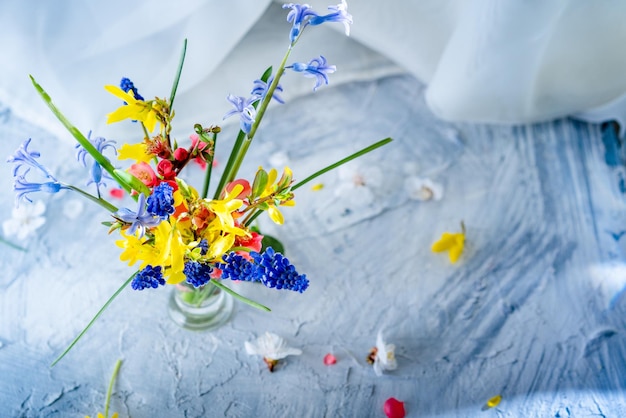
x=272 y=348
x=25 y=220
x=419 y=188
x=384 y=357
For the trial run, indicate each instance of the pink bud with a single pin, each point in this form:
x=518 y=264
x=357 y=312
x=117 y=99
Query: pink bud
x=329 y=359
x=181 y=154
x=394 y=408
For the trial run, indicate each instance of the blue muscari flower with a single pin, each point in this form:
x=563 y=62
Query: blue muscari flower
x=243 y=107
x=127 y=85
x=139 y=220
x=96 y=169
x=161 y=201
x=277 y=272
x=260 y=88
x=149 y=277
x=315 y=68
x=339 y=14
x=23 y=157
x=302 y=15
x=237 y=267
x=22 y=187
x=198 y=274
x=204 y=246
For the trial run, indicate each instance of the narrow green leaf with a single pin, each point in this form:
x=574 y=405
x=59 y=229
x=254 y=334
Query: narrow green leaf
x=238 y=296
x=10 y=244
x=133 y=182
x=106 y=305
x=178 y=73
x=342 y=161
x=270 y=241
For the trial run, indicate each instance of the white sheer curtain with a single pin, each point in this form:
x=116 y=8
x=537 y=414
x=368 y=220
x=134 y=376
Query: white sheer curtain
x=483 y=60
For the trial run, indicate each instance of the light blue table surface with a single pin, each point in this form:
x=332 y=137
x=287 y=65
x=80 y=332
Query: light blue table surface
x=533 y=311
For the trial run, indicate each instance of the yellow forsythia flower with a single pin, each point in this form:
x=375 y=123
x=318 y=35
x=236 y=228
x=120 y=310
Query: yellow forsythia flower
x=453 y=243
x=493 y=402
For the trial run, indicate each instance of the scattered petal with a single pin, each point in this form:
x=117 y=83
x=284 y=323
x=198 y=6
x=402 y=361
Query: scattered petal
x=423 y=189
x=493 y=402
x=272 y=348
x=330 y=359
x=382 y=357
x=394 y=408
x=116 y=193
x=453 y=243
x=317 y=187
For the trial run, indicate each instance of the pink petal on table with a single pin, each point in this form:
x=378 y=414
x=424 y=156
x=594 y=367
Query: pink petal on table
x=329 y=359
x=394 y=408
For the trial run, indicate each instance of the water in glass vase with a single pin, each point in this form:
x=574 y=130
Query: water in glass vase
x=201 y=308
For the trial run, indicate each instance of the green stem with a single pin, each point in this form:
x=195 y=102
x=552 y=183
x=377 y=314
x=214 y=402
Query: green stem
x=10 y=244
x=93 y=320
x=93 y=198
x=118 y=364
x=229 y=165
x=238 y=296
x=241 y=147
x=209 y=169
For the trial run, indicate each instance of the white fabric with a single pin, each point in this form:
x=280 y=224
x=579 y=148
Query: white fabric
x=483 y=60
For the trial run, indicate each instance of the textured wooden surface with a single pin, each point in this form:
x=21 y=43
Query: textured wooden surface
x=533 y=310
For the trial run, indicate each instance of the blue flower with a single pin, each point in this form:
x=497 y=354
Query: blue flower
x=96 y=169
x=204 y=246
x=299 y=17
x=237 y=267
x=23 y=157
x=339 y=14
x=22 y=187
x=315 y=68
x=243 y=107
x=198 y=274
x=277 y=272
x=149 y=277
x=260 y=88
x=161 y=201
x=127 y=85
x=139 y=220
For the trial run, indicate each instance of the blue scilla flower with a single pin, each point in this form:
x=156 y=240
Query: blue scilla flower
x=315 y=68
x=139 y=220
x=127 y=85
x=277 y=272
x=237 y=267
x=339 y=14
x=301 y=15
x=260 y=88
x=96 y=172
x=149 y=277
x=197 y=274
x=245 y=109
x=298 y=16
x=22 y=157
x=161 y=201
x=22 y=187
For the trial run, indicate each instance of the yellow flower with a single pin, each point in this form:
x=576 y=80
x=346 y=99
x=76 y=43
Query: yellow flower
x=171 y=247
x=137 y=152
x=136 y=249
x=134 y=109
x=453 y=243
x=100 y=415
x=493 y=402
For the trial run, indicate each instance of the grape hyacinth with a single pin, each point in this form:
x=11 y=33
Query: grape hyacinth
x=149 y=277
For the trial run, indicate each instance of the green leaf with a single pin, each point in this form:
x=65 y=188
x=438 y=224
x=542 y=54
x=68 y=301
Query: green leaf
x=124 y=177
x=106 y=305
x=178 y=73
x=270 y=241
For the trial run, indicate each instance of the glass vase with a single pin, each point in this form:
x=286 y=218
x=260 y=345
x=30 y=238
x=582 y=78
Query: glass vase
x=199 y=309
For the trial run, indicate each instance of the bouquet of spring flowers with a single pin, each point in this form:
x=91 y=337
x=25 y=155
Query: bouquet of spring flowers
x=177 y=234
